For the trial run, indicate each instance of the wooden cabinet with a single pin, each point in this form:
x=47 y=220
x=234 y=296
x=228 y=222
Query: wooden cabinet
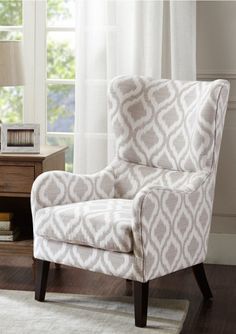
x=17 y=174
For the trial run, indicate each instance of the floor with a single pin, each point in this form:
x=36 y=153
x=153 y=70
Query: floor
x=216 y=317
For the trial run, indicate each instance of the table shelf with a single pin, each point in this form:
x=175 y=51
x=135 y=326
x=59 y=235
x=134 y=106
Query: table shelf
x=19 y=247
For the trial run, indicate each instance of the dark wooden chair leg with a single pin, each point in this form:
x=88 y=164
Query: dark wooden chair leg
x=140 y=303
x=201 y=279
x=41 y=277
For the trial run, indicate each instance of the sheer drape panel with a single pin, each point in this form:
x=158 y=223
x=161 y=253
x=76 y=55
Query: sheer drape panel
x=147 y=38
x=150 y=38
x=90 y=152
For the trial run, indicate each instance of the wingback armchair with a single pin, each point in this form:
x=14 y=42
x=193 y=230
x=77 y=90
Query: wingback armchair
x=149 y=212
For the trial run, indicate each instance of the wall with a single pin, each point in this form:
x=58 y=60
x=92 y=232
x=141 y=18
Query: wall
x=216 y=58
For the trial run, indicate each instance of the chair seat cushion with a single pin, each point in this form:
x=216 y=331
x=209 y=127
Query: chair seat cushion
x=103 y=224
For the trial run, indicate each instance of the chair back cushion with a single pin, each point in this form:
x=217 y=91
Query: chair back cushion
x=165 y=123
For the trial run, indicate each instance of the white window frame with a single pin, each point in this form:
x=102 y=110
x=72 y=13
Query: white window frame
x=35 y=54
x=29 y=60
x=34 y=27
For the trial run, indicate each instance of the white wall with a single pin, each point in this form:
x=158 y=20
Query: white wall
x=216 y=58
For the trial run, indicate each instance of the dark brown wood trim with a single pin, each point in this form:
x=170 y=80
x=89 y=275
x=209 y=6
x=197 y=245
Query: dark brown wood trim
x=140 y=303
x=200 y=275
x=41 y=277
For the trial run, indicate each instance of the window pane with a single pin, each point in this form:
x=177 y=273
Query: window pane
x=11 y=104
x=61 y=13
x=68 y=141
x=60 y=55
x=10 y=12
x=61 y=108
x=10 y=36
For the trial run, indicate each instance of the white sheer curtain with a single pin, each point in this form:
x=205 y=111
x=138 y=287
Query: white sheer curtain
x=151 y=38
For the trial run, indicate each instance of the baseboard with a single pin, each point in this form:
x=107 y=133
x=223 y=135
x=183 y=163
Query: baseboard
x=222 y=249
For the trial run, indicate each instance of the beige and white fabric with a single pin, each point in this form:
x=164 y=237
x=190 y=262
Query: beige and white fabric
x=103 y=224
x=149 y=212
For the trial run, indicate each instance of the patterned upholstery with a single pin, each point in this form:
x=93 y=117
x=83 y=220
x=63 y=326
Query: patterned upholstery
x=130 y=178
x=164 y=123
x=103 y=224
x=168 y=135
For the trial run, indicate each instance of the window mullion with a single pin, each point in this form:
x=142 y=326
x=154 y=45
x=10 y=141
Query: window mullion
x=61 y=81
x=29 y=59
x=40 y=105
x=64 y=29
x=11 y=28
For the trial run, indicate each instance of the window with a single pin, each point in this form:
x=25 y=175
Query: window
x=60 y=37
x=47 y=29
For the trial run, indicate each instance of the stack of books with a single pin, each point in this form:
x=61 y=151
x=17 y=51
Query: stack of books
x=8 y=232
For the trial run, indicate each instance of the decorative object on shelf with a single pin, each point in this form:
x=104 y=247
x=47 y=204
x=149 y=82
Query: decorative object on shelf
x=8 y=232
x=20 y=138
x=11 y=66
x=10 y=235
x=6 y=221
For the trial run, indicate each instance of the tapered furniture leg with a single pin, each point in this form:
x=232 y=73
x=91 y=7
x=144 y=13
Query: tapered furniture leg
x=140 y=303
x=201 y=279
x=42 y=268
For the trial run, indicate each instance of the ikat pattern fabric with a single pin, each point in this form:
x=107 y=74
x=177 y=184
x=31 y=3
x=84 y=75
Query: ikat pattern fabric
x=171 y=228
x=130 y=178
x=168 y=136
x=164 y=123
x=57 y=188
x=103 y=224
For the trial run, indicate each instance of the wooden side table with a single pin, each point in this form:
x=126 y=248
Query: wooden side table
x=17 y=174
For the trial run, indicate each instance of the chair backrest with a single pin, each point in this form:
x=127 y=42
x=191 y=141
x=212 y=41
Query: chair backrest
x=168 y=124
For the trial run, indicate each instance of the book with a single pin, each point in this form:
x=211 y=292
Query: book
x=6 y=216
x=6 y=221
x=8 y=232
x=12 y=237
x=5 y=225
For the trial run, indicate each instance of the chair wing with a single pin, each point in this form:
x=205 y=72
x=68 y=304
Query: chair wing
x=166 y=123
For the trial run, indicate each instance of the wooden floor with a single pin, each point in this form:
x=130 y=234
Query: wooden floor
x=216 y=317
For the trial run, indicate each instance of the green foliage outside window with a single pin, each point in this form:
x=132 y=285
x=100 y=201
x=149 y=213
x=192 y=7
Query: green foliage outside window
x=61 y=105
x=69 y=141
x=10 y=36
x=61 y=60
x=10 y=12
x=59 y=11
x=11 y=104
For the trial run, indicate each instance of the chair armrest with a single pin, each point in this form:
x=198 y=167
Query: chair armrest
x=59 y=187
x=171 y=226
